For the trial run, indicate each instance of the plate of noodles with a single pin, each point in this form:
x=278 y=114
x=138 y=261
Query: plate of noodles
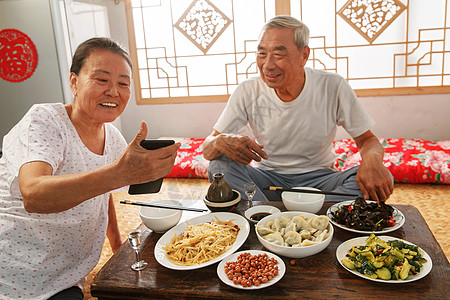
x=202 y=241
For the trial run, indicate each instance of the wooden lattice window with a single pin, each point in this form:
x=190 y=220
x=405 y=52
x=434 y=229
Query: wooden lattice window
x=200 y=50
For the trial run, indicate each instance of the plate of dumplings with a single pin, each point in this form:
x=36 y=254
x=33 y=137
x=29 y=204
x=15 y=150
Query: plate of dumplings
x=295 y=234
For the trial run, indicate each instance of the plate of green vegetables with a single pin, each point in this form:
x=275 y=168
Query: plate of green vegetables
x=384 y=259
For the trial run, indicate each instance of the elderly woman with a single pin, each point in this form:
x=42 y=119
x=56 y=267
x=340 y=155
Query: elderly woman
x=59 y=166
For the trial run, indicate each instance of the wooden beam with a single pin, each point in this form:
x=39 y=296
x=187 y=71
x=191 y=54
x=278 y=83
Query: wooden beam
x=180 y=100
x=398 y=91
x=282 y=7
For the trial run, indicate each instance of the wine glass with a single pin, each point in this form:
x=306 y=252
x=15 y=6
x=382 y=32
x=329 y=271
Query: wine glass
x=250 y=190
x=134 y=237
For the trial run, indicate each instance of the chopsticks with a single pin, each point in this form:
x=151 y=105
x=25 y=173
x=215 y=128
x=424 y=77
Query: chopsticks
x=276 y=188
x=163 y=206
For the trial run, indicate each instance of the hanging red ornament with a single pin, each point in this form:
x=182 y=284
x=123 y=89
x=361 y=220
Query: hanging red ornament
x=18 y=55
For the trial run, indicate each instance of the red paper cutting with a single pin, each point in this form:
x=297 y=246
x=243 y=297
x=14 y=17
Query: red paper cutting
x=18 y=56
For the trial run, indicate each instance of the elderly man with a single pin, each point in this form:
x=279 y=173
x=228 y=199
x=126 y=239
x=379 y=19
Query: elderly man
x=293 y=113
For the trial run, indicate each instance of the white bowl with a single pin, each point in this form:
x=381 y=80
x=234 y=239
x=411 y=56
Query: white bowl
x=306 y=202
x=223 y=206
x=265 y=209
x=293 y=252
x=160 y=219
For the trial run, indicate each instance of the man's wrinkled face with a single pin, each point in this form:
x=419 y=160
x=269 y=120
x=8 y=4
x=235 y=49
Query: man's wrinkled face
x=279 y=60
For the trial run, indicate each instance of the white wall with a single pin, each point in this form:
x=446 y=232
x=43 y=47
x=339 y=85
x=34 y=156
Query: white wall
x=418 y=116
x=33 y=18
x=421 y=116
x=49 y=82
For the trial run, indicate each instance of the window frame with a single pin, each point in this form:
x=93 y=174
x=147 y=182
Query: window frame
x=282 y=7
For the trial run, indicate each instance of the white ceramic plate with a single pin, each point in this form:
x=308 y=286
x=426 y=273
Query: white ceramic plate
x=223 y=276
x=399 y=219
x=160 y=253
x=343 y=248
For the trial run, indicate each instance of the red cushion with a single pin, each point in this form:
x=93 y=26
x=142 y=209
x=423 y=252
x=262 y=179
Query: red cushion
x=409 y=160
x=190 y=162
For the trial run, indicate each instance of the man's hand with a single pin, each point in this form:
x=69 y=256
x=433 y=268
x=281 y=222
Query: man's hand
x=239 y=148
x=373 y=177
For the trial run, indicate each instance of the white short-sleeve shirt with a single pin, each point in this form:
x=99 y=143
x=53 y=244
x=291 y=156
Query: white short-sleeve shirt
x=42 y=254
x=297 y=135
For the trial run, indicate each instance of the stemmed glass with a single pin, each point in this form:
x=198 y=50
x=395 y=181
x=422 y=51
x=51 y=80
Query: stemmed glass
x=250 y=190
x=134 y=237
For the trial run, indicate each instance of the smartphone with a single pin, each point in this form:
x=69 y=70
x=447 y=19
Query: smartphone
x=152 y=186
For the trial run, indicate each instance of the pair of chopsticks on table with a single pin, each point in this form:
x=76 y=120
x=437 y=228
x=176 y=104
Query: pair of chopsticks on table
x=270 y=188
x=299 y=190
x=158 y=205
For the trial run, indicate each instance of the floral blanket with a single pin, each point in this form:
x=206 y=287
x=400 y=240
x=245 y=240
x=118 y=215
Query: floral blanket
x=409 y=160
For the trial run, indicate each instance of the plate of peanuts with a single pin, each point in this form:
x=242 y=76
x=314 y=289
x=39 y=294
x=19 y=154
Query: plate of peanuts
x=251 y=269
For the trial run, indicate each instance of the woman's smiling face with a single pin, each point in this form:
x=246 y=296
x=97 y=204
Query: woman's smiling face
x=102 y=89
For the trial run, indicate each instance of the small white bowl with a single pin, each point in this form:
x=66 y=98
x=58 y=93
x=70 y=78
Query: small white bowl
x=263 y=209
x=293 y=252
x=223 y=206
x=160 y=219
x=306 y=202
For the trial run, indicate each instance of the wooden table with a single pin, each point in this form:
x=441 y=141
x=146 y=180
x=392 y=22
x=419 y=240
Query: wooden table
x=317 y=276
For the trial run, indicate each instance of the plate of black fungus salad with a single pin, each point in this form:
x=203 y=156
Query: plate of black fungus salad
x=365 y=217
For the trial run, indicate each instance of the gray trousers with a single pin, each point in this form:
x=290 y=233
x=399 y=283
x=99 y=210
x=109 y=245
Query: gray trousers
x=237 y=174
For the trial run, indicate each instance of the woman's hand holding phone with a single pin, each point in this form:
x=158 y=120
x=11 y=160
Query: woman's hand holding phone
x=137 y=165
x=152 y=186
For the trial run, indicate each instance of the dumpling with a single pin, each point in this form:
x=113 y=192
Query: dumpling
x=322 y=236
x=280 y=223
x=275 y=238
x=299 y=221
x=317 y=233
x=264 y=230
x=320 y=222
x=305 y=234
x=276 y=226
x=291 y=227
x=284 y=221
x=308 y=243
x=292 y=237
x=309 y=226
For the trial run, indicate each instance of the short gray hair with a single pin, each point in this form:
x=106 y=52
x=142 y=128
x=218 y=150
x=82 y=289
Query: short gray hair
x=301 y=31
